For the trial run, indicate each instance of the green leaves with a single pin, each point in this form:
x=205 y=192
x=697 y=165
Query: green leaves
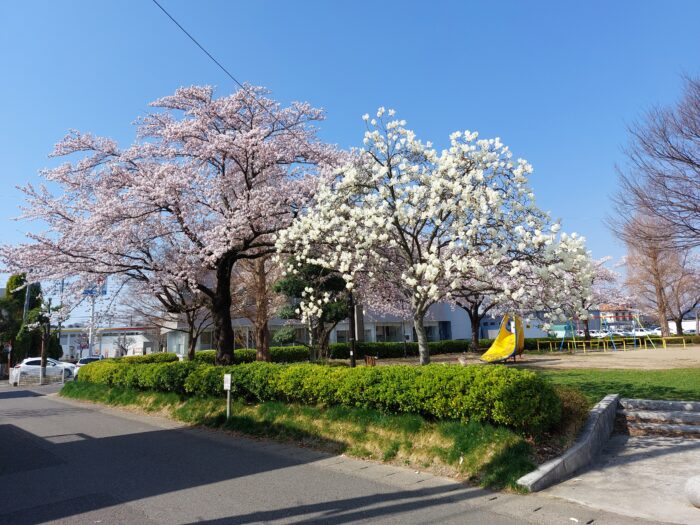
x=519 y=399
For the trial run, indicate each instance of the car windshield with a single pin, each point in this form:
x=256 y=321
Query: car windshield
x=86 y=360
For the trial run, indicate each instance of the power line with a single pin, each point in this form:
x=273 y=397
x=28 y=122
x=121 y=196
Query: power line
x=228 y=74
x=200 y=46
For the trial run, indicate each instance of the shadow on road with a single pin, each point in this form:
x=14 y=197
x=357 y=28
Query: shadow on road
x=16 y=394
x=63 y=475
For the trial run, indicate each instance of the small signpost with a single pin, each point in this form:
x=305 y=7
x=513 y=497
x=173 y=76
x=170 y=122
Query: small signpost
x=227 y=387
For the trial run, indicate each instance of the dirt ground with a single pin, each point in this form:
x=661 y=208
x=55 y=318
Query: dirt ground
x=645 y=359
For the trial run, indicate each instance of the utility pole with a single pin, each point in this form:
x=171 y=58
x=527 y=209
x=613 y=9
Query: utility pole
x=45 y=336
x=351 y=329
x=60 y=304
x=91 y=330
x=25 y=312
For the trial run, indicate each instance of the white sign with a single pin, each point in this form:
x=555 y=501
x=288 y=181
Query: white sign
x=227 y=381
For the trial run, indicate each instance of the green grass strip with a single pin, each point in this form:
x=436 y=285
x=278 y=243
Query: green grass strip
x=675 y=384
x=493 y=457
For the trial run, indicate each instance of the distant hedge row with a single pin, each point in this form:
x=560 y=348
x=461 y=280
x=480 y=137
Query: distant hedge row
x=394 y=350
x=278 y=354
x=519 y=399
x=160 y=357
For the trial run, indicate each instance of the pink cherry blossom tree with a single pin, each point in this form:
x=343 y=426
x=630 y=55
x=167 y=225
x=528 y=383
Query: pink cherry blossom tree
x=208 y=182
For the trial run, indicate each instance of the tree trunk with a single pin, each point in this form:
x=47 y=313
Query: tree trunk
x=262 y=341
x=324 y=338
x=659 y=291
x=679 y=326
x=312 y=341
x=475 y=319
x=221 y=314
x=262 y=331
x=586 y=330
x=191 y=346
x=423 y=350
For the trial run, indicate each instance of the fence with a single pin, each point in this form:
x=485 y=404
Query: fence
x=33 y=376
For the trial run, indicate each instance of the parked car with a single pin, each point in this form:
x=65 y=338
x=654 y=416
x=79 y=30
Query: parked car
x=65 y=364
x=689 y=332
x=84 y=361
x=31 y=366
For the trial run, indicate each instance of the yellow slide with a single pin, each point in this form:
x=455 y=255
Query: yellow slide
x=506 y=344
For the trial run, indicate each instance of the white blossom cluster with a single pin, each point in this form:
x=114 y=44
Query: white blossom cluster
x=434 y=222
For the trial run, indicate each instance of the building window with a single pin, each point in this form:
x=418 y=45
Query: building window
x=445 y=329
x=341 y=336
x=205 y=340
x=388 y=333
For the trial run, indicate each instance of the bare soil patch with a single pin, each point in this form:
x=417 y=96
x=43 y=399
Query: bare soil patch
x=643 y=359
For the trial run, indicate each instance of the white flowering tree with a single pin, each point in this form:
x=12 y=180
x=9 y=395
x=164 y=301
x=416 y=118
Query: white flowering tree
x=554 y=281
x=428 y=220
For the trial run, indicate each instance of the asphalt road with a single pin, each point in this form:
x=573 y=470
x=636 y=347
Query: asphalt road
x=75 y=463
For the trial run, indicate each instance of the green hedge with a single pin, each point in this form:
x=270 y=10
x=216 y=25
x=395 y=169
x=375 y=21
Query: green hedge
x=165 y=377
x=394 y=350
x=161 y=357
x=278 y=354
x=519 y=399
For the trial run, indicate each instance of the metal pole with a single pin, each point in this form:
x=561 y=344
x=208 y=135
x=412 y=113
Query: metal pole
x=92 y=324
x=351 y=330
x=25 y=312
x=228 y=404
x=59 y=319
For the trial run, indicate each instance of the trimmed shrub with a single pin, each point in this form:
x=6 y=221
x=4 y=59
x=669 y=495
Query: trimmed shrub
x=393 y=350
x=160 y=357
x=516 y=398
x=205 y=356
x=519 y=399
x=278 y=354
x=289 y=354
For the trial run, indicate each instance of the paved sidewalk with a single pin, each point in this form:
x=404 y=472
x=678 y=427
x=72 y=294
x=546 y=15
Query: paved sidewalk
x=111 y=466
x=639 y=476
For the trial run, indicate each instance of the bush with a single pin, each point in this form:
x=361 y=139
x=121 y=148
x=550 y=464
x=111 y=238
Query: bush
x=278 y=354
x=516 y=398
x=286 y=335
x=393 y=350
x=160 y=357
x=519 y=399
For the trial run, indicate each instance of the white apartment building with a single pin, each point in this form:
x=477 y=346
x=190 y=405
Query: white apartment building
x=113 y=341
x=442 y=322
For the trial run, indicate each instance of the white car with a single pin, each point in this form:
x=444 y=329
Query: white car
x=31 y=366
x=85 y=361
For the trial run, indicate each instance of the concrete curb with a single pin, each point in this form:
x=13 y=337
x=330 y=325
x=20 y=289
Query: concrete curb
x=595 y=433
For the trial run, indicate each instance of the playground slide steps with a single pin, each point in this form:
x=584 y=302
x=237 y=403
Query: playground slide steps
x=668 y=418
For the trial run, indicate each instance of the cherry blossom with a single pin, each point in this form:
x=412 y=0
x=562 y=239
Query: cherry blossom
x=208 y=182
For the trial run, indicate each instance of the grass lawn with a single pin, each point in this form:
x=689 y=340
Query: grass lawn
x=490 y=456
x=674 y=384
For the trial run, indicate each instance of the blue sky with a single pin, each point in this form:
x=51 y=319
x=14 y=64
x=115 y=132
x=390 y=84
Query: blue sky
x=557 y=81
